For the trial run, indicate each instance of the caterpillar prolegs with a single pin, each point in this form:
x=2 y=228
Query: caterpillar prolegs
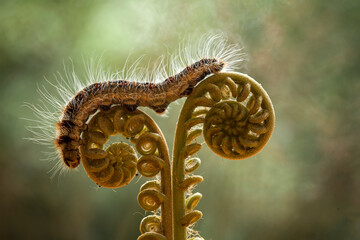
x=210 y=55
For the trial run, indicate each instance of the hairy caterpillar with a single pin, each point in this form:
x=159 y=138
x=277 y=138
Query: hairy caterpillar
x=213 y=55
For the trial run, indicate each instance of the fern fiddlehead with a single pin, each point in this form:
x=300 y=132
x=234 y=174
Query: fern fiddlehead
x=117 y=165
x=235 y=116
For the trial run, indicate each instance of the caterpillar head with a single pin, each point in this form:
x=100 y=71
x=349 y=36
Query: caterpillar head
x=69 y=153
x=71 y=158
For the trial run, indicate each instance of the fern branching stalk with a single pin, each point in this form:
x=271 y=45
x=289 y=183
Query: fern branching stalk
x=232 y=112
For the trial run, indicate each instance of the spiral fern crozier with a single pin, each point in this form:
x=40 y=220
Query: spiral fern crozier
x=117 y=165
x=235 y=116
x=238 y=125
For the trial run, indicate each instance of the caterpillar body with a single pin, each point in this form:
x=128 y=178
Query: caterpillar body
x=213 y=51
x=130 y=94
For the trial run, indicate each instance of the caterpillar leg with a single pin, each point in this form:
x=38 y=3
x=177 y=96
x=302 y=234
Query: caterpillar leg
x=160 y=109
x=105 y=107
x=187 y=91
x=131 y=108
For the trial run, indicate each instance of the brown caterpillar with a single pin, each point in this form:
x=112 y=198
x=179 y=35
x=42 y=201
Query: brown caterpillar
x=104 y=90
x=156 y=96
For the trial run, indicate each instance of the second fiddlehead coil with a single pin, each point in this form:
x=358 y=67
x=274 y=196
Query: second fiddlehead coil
x=236 y=117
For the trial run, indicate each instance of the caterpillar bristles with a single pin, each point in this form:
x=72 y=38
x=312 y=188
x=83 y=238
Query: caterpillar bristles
x=60 y=117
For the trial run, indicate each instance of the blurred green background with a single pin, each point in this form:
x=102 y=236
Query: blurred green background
x=305 y=184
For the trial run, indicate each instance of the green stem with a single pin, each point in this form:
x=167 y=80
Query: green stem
x=167 y=208
x=179 y=174
x=166 y=188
